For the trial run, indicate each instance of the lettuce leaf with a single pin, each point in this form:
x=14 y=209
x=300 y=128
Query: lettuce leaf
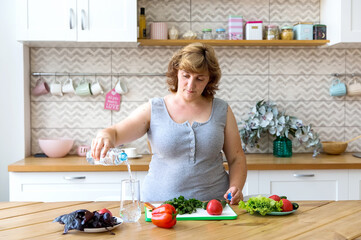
x=261 y=204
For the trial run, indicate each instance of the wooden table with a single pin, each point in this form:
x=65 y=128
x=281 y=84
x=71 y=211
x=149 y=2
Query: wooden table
x=313 y=220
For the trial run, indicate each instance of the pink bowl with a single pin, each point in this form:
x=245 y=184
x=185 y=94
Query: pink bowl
x=56 y=147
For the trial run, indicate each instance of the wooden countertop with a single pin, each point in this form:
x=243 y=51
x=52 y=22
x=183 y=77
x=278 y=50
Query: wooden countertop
x=299 y=161
x=313 y=220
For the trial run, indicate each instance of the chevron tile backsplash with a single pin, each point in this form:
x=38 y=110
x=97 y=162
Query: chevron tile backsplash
x=297 y=78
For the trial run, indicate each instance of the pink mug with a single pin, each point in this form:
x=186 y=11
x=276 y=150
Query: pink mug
x=41 y=88
x=158 y=30
x=82 y=150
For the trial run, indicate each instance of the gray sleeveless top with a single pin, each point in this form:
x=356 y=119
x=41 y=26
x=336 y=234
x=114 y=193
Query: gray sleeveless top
x=187 y=159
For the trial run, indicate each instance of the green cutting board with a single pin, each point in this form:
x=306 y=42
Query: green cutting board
x=201 y=214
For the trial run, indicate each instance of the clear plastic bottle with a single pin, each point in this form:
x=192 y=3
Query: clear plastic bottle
x=114 y=156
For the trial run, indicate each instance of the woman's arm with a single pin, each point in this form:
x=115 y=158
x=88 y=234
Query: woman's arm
x=235 y=157
x=131 y=128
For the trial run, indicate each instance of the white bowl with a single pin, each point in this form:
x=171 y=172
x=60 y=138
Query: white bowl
x=56 y=147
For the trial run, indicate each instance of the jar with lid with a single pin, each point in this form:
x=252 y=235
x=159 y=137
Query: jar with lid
x=272 y=32
x=287 y=33
x=207 y=34
x=220 y=34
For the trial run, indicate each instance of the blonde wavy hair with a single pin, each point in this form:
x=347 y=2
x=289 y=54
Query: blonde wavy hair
x=195 y=58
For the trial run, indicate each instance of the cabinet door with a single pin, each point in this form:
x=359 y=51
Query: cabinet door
x=107 y=21
x=305 y=184
x=351 y=21
x=46 y=20
x=355 y=184
x=251 y=185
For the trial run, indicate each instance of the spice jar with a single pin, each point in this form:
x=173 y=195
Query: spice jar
x=272 y=32
x=287 y=33
x=207 y=34
x=220 y=34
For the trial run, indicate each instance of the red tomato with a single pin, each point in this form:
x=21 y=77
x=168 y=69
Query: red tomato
x=287 y=205
x=164 y=216
x=214 y=207
x=104 y=210
x=275 y=197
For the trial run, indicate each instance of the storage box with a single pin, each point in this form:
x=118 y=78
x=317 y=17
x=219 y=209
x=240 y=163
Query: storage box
x=254 y=30
x=235 y=27
x=303 y=31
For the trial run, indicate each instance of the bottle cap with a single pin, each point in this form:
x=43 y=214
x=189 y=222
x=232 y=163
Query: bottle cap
x=142 y=11
x=220 y=30
x=207 y=30
x=229 y=196
x=123 y=156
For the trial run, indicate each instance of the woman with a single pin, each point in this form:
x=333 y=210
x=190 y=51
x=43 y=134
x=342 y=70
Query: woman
x=187 y=130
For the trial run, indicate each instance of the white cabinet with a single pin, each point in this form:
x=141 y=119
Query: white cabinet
x=305 y=184
x=251 y=185
x=77 y=20
x=67 y=186
x=354 y=184
x=343 y=20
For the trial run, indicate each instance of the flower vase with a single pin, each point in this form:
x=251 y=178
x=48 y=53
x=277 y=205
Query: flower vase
x=282 y=147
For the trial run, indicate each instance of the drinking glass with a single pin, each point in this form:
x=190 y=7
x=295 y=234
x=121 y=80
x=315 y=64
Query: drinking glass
x=130 y=200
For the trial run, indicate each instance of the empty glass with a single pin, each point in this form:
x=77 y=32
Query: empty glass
x=130 y=200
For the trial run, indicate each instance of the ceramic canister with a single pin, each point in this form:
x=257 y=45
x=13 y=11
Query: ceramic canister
x=158 y=30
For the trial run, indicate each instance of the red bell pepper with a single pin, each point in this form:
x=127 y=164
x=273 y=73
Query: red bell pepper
x=164 y=216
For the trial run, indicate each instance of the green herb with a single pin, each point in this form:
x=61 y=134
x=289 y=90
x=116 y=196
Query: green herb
x=183 y=205
x=261 y=204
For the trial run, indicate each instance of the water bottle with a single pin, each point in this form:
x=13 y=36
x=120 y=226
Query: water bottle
x=114 y=156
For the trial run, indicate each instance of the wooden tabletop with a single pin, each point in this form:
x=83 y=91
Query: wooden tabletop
x=298 y=161
x=313 y=220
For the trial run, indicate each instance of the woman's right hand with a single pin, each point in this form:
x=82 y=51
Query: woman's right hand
x=100 y=146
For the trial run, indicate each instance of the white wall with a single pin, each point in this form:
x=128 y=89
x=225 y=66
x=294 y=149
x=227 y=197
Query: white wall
x=12 y=114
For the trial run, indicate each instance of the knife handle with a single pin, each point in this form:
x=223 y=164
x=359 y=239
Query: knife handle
x=149 y=206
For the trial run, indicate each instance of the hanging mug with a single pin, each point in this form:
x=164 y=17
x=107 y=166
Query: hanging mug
x=55 y=88
x=337 y=88
x=83 y=89
x=354 y=89
x=121 y=87
x=68 y=86
x=96 y=88
x=40 y=88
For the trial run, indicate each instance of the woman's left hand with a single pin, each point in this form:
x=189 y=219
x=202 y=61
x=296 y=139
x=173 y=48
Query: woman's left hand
x=236 y=194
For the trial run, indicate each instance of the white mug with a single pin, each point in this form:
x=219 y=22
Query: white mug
x=121 y=87
x=131 y=152
x=96 y=88
x=55 y=88
x=68 y=86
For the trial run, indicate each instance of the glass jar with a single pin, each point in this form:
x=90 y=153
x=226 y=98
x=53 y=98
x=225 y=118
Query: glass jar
x=282 y=147
x=272 y=32
x=207 y=34
x=287 y=33
x=220 y=34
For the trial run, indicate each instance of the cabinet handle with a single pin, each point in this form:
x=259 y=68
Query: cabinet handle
x=74 y=178
x=71 y=18
x=83 y=20
x=303 y=175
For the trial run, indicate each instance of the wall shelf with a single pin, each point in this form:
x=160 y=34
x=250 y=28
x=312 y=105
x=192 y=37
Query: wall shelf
x=182 y=42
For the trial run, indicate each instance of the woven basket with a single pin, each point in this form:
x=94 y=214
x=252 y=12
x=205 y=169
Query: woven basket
x=334 y=147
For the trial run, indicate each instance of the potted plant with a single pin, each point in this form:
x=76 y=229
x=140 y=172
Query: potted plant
x=265 y=118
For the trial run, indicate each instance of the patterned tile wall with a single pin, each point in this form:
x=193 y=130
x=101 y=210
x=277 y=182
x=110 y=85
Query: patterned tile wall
x=298 y=79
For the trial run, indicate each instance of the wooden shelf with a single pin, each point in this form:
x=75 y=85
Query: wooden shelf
x=182 y=42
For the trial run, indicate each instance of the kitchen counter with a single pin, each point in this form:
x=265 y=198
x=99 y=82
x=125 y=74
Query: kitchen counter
x=313 y=220
x=254 y=162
